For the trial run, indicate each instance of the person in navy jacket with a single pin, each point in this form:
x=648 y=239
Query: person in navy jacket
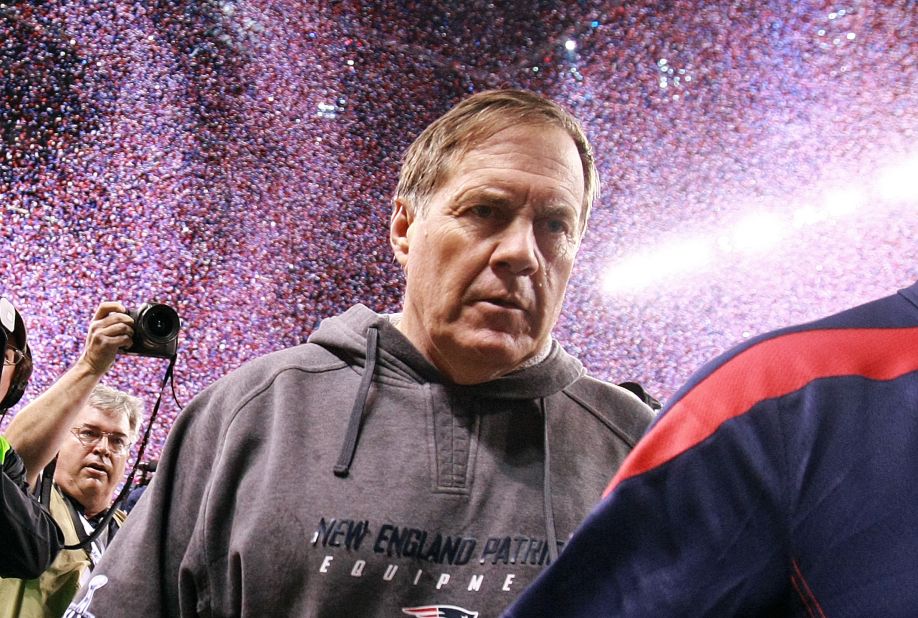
x=781 y=480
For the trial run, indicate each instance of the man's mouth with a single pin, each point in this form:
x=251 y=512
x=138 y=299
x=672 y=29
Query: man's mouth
x=506 y=303
x=95 y=467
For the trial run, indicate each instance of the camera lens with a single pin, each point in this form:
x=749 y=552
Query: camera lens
x=160 y=323
x=159 y=326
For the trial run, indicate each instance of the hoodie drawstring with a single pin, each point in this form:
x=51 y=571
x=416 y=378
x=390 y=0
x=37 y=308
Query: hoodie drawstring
x=349 y=447
x=343 y=467
x=551 y=536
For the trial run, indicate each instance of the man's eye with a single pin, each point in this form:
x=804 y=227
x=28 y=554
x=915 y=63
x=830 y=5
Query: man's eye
x=556 y=226
x=90 y=434
x=117 y=443
x=484 y=212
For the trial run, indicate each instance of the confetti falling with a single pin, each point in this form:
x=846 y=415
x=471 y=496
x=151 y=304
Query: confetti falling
x=237 y=160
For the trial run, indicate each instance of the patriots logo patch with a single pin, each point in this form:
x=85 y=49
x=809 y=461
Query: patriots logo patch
x=439 y=611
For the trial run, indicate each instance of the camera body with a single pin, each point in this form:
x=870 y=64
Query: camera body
x=156 y=329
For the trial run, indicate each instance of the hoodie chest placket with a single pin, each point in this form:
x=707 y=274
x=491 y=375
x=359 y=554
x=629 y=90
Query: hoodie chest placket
x=454 y=421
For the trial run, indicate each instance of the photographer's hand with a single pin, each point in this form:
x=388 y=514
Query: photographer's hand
x=39 y=429
x=110 y=330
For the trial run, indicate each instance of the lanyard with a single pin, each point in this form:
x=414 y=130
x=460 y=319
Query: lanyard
x=84 y=528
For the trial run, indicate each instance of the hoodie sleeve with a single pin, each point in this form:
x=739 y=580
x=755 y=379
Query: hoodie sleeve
x=154 y=566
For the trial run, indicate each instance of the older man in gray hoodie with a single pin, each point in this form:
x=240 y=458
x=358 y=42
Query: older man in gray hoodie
x=429 y=463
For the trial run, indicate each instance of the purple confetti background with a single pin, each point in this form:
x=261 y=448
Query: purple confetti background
x=236 y=160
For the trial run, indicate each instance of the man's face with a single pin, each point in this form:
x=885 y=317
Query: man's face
x=487 y=264
x=89 y=474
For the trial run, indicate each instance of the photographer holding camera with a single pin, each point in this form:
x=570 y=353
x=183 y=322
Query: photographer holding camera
x=90 y=429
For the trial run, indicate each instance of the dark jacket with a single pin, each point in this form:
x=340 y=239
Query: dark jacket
x=29 y=538
x=781 y=481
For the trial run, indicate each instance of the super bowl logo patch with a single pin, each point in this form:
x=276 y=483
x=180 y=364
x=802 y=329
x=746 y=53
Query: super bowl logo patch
x=439 y=611
x=81 y=609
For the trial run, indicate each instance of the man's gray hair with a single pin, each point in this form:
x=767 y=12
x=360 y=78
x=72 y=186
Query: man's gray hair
x=431 y=158
x=112 y=400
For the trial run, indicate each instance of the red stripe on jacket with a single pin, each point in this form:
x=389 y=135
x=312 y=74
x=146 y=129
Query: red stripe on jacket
x=771 y=368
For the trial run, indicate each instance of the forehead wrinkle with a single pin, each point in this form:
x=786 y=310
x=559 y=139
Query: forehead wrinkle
x=548 y=164
x=557 y=154
x=507 y=191
x=553 y=190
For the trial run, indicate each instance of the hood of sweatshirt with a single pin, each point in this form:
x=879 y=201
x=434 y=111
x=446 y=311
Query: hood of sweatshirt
x=397 y=360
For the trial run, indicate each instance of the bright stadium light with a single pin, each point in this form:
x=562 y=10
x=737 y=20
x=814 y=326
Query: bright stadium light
x=757 y=232
x=843 y=202
x=899 y=183
x=760 y=230
x=807 y=215
x=650 y=267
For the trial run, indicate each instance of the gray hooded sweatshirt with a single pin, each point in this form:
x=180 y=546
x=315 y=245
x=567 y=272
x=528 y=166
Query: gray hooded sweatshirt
x=347 y=477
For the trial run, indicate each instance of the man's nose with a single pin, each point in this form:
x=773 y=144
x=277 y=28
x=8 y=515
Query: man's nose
x=103 y=445
x=517 y=249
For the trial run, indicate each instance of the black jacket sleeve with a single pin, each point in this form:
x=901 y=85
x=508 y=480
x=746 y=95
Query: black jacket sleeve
x=29 y=537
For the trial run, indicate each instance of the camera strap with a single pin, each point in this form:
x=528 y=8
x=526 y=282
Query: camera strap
x=103 y=525
x=85 y=527
x=47 y=479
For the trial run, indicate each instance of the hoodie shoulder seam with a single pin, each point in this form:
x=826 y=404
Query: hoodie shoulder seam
x=605 y=419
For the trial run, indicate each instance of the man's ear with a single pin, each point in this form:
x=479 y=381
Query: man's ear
x=399 y=223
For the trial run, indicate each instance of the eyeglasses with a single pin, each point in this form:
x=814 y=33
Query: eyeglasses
x=12 y=356
x=118 y=443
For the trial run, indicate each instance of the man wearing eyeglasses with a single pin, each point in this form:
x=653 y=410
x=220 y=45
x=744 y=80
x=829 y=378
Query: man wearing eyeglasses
x=29 y=538
x=90 y=429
